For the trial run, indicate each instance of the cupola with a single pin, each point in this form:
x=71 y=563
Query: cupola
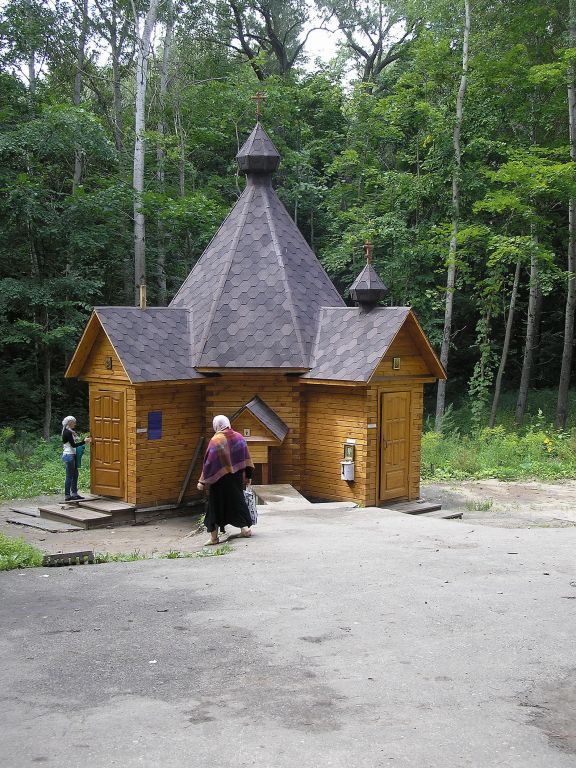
x=367 y=290
x=258 y=155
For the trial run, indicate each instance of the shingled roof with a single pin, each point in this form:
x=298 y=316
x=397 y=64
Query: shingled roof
x=351 y=342
x=266 y=416
x=153 y=344
x=257 y=290
x=257 y=298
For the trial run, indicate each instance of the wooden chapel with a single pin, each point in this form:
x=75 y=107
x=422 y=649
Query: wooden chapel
x=258 y=332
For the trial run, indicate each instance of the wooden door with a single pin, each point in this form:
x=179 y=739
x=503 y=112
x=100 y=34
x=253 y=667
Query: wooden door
x=107 y=427
x=394 y=445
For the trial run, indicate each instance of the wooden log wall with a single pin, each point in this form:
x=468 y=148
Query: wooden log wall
x=411 y=361
x=95 y=366
x=227 y=393
x=331 y=415
x=157 y=468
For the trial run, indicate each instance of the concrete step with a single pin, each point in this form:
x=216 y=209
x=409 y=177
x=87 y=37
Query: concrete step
x=280 y=493
x=414 y=507
x=83 y=518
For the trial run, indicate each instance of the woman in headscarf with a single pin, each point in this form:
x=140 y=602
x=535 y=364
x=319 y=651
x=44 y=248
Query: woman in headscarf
x=227 y=468
x=70 y=443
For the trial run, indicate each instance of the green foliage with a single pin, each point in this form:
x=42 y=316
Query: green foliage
x=537 y=452
x=16 y=553
x=30 y=466
x=119 y=557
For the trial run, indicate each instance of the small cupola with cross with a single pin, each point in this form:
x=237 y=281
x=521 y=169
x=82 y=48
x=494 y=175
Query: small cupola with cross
x=367 y=290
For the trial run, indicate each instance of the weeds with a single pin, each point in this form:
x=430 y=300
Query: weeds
x=479 y=506
x=31 y=466
x=16 y=553
x=540 y=453
x=173 y=554
x=119 y=557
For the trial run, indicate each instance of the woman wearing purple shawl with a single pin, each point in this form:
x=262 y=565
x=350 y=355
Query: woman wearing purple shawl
x=227 y=467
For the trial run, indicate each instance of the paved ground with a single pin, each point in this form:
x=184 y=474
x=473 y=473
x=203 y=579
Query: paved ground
x=337 y=638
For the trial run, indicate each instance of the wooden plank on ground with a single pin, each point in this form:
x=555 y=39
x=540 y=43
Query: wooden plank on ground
x=29 y=511
x=83 y=518
x=108 y=506
x=190 y=469
x=417 y=507
x=51 y=526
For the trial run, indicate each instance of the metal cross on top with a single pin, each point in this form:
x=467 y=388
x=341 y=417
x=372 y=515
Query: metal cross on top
x=259 y=98
x=368 y=248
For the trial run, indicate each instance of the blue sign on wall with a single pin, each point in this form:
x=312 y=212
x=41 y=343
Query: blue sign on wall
x=155 y=425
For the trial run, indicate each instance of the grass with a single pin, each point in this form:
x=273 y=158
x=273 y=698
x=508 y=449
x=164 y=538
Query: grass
x=30 y=466
x=536 y=452
x=173 y=554
x=479 y=506
x=16 y=553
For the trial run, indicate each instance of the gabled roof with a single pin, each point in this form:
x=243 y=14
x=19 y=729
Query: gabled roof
x=258 y=287
x=351 y=342
x=153 y=344
x=266 y=416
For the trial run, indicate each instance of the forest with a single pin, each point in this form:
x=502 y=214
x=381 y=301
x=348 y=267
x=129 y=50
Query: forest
x=444 y=131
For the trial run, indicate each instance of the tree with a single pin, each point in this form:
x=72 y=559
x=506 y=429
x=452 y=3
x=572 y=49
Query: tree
x=143 y=39
x=456 y=175
x=570 y=313
x=369 y=29
x=269 y=34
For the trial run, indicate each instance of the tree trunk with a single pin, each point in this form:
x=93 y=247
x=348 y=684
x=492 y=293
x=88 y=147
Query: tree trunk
x=47 y=376
x=531 y=334
x=506 y=346
x=451 y=276
x=115 y=49
x=78 y=89
x=160 y=152
x=568 y=349
x=32 y=74
x=143 y=44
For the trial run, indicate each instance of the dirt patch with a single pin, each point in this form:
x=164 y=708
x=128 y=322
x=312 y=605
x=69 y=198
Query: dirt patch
x=164 y=535
x=508 y=505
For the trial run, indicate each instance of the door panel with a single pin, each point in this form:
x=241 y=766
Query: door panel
x=394 y=445
x=107 y=464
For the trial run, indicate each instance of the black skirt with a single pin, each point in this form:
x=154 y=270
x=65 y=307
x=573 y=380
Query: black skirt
x=226 y=503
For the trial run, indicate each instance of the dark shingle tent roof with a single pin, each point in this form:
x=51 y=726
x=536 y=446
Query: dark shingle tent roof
x=258 y=287
x=257 y=298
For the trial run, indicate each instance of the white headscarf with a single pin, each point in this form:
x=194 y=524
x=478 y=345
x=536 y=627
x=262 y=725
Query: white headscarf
x=220 y=423
x=66 y=421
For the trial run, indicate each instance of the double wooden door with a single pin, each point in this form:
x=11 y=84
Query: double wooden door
x=107 y=452
x=394 y=445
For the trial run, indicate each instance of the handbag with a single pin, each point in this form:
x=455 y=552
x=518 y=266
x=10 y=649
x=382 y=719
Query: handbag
x=250 y=500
